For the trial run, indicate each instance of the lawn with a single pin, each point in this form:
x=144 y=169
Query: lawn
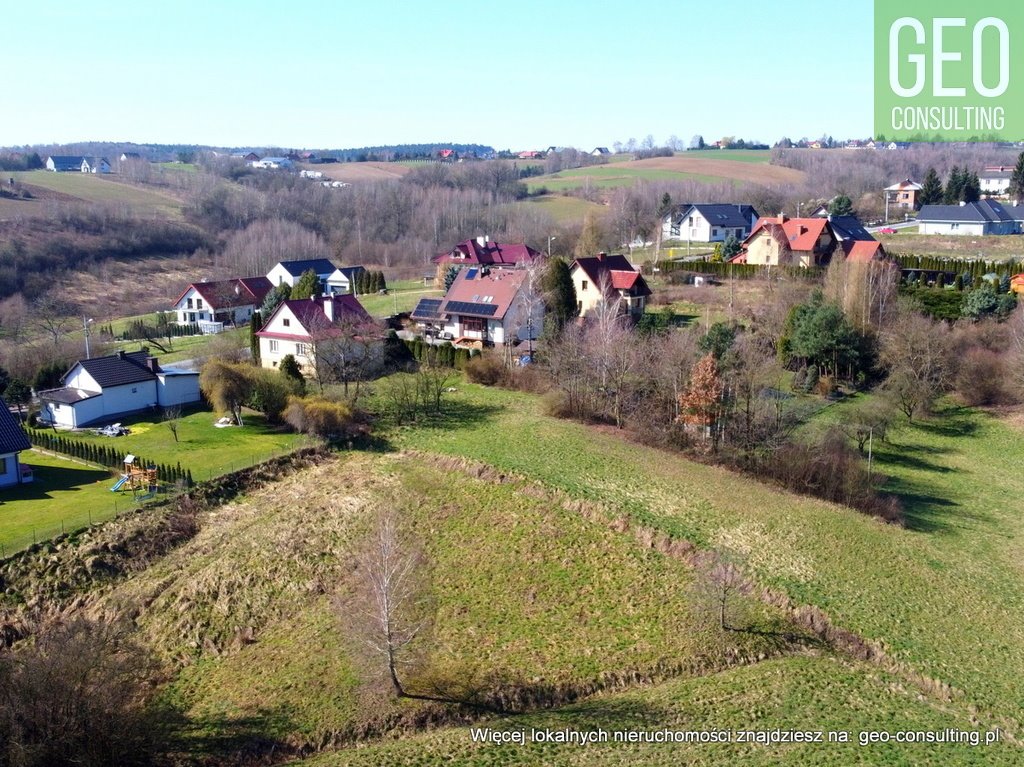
x=397 y=300
x=611 y=176
x=943 y=596
x=64 y=495
x=578 y=600
x=201 y=447
x=808 y=694
x=104 y=189
x=991 y=248
x=564 y=209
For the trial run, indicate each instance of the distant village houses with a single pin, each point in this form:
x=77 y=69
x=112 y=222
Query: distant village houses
x=77 y=164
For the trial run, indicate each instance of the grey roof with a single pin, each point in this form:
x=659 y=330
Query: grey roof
x=12 y=436
x=1016 y=212
x=67 y=162
x=996 y=174
x=849 y=228
x=318 y=265
x=118 y=369
x=985 y=211
x=718 y=214
x=351 y=271
x=67 y=395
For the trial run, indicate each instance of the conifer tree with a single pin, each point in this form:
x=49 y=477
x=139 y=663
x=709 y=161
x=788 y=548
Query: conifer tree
x=931 y=189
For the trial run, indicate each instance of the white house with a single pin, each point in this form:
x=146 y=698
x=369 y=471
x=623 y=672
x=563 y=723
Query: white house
x=289 y=272
x=214 y=304
x=65 y=163
x=272 y=163
x=484 y=306
x=95 y=165
x=343 y=279
x=298 y=325
x=995 y=180
x=104 y=388
x=603 y=278
x=904 y=194
x=973 y=218
x=709 y=222
x=12 y=442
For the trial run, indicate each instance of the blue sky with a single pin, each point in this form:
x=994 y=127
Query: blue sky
x=313 y=74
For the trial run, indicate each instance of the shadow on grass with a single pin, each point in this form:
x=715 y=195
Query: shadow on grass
x=950 y=422
x=50 y=479
x=926 y=512
x=230 y=741
x=458 y=414
x=898 y=455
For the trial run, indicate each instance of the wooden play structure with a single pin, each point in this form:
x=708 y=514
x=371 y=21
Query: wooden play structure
x=136 y=478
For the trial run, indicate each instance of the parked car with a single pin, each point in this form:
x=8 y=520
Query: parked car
x=887 y=230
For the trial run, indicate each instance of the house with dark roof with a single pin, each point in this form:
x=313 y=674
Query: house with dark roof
x=343 y=279
x=12 y=441
x=289 y=272
x=784 y=241
x=130 y=156
x=482 y=251
x=103 y=389
x=972 y=218
x=609 y=278
x=484 y=307
x=601 y=151
x=65 y=163
x=298 y=326
x=707 y=222
x=223 y=302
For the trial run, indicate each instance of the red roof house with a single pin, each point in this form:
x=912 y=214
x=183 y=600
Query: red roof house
x=788 y=242
x=482 y=251
x=223 y=301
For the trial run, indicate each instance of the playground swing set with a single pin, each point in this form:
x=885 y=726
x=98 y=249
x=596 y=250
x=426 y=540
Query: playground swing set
x=138 y=479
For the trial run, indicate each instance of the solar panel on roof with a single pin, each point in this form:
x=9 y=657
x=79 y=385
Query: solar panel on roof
x=469 y=307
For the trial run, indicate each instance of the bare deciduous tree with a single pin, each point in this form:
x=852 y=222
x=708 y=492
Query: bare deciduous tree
x=386 y=607
x=916 y=352
x=172 y=418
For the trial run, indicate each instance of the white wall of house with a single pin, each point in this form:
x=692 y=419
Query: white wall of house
x=73 y=416
x=994 y=185
x=79 y=378
x=956 y=227
x=280 y=276
x=177 y=389
x=272 y=350
x=695 y=228
x=193 y=308
x=129 y=398
x=9 y=472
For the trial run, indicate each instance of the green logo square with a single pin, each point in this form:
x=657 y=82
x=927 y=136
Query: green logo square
x=947 y=70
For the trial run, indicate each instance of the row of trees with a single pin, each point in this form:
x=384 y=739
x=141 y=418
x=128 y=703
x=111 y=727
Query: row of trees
x=104 y=455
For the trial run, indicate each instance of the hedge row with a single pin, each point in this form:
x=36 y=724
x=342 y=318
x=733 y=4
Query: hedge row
x=442 y=354
x=104 y=455
x=738 y=271
x=974 y=267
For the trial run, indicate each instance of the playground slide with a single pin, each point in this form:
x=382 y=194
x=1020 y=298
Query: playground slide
x=117 y=486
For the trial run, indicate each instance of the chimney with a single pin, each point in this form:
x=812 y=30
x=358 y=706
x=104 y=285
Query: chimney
x=962 y=203
x=329 y=308
x=152 y=364
x=481 y=240
x=120 y=354
x=601 y=256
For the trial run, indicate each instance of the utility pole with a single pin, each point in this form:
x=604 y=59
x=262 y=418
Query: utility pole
x=871 y=434
x=85 y=327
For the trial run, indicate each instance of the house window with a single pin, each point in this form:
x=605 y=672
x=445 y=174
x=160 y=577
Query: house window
x=300 y=350
x=191 y=316
x=3 y=465
x=691 y=220
x=199 y=303
x=273 y=345
x=714 y=232
x=188 y=304
x=584 y=287
x=579 y=307
x=286 y=322
x=473 y=325
x=135 y=390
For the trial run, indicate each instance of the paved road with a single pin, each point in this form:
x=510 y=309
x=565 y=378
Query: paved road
x=900 y=225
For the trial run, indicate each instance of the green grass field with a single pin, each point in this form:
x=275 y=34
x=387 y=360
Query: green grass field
x=104 y=189
x=577 y=600
x=64 y=495
x=201 y=447
x=611 y=176
x=794 y=694
x=933 y=594
x=397 y=299
x=565 y=209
